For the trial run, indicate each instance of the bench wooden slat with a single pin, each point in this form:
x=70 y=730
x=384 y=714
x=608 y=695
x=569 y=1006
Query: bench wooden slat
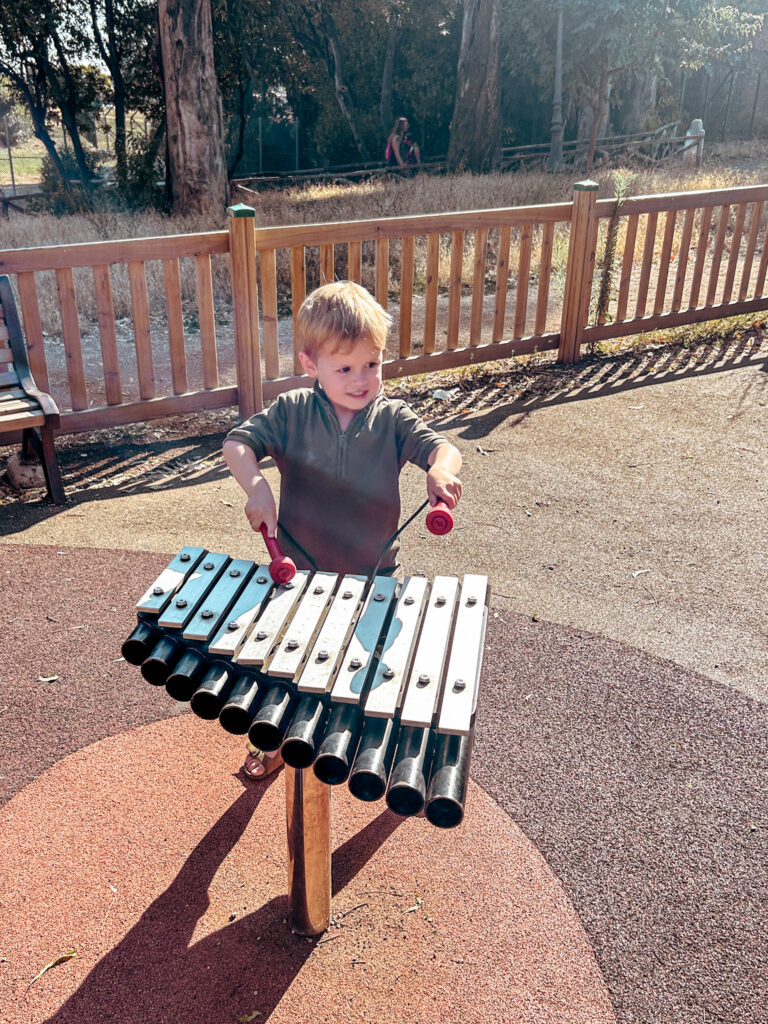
x=3 y=331
x=6 y=356
x=326 y=263
x=6 y=394
x=12 y=405
x=204 y=289
x=20 y=420
x=107 y=336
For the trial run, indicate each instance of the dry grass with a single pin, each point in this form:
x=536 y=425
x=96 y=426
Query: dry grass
x=338 y=202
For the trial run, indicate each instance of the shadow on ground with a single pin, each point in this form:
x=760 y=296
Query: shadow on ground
x=155 y=974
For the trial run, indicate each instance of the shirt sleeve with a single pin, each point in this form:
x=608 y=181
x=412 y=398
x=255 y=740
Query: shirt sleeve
x=416 y=441
x=265 y=432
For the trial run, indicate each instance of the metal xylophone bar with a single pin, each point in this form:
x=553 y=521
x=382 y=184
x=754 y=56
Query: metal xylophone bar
x=346 y=681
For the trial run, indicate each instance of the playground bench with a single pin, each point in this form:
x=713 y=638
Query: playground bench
x=22 y=405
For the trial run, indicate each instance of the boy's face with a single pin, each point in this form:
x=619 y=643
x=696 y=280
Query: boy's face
x=350 y=378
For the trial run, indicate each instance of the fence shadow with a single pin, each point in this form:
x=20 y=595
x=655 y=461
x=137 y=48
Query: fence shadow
x=598 y=377
x=156 y=972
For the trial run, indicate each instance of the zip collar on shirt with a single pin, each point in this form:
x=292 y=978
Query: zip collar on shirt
x=360 y=416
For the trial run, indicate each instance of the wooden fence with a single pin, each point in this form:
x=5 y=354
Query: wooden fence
x=215 y=327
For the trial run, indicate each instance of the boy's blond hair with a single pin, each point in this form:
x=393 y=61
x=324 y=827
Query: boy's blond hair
x=336 y=316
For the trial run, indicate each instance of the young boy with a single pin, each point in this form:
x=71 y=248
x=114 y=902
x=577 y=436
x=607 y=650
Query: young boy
x=340 y=447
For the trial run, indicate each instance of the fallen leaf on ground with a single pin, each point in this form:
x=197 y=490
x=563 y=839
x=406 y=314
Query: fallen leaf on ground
x=47 y=679
x=639 y=573
x=54 y=963
x=244 y=1018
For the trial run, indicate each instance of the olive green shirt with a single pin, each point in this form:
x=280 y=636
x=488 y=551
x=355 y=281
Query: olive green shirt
x=339 y=489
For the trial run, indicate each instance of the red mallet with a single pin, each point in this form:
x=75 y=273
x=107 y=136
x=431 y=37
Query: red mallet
x=439 y=519
x=281 y=568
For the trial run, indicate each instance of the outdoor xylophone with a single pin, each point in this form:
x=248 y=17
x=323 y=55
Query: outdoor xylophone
x=367 y=681
x=370 y=682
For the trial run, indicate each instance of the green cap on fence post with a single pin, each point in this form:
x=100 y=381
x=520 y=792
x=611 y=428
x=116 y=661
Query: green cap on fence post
x=586 y=186
x=241 y=210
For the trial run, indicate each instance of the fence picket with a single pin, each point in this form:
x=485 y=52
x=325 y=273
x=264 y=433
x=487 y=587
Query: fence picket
x=326 y=263
x=430 y=297
x=627 y=263
x=733 y=259
x=478 y=286
x=175 y=326
x=298 y=294
x=682 y=259
x=382 y=271
x=406 y=295
x=269 y=313
x=701 y=255
x=717 y=255
x=354 y=261
x=760 y=282
x=545 y=273
x=664 y=261
x=645 y=272
x=137 y=278
x=204 y=292
x=502 y=282
x=749 y=255
x=523 y=278
x=107 y=336
x=454 y=289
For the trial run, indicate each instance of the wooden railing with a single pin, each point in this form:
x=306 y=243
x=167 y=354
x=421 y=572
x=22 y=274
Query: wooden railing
x=216 y=327
x=702 y=264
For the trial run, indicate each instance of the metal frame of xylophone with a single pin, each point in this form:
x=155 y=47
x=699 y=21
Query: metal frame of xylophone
x=375 y=685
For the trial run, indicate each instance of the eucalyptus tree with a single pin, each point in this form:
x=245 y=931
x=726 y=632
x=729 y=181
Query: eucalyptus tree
x=476 y=127
x=196 y=171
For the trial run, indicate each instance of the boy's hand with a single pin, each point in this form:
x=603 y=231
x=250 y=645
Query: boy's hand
x=442 y=485
x=260 y=507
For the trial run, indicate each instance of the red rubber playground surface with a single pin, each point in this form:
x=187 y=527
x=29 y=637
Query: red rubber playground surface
x=611 y=867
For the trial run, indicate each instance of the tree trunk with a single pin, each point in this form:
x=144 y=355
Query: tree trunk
x=602 y=110
x=110 y=54
x=475 y=143
x=196 y=168
x=640 y=106
x=385 y=106
x=336 y=70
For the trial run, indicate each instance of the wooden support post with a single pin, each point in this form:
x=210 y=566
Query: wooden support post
x=581 y=251
x=308 y=815
x=245 y=306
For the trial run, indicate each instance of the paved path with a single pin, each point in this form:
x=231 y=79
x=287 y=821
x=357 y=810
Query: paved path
x=613 y=864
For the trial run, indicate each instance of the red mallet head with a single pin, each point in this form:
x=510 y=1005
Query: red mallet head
x=282 y=569
x=439 y=519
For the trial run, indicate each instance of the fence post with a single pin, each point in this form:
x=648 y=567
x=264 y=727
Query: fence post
x=245 y=308
x=581 y=245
